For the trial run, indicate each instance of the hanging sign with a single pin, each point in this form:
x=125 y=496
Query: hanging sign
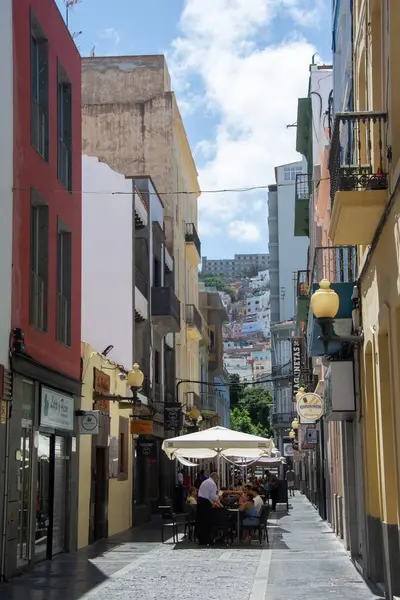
x=141 y=427
x=310 y=407
x=288 y=449
x=312 y=436
x=89 y=423
x=296 y=365
x=146 y=449
x=172 y=416
x=56 y=410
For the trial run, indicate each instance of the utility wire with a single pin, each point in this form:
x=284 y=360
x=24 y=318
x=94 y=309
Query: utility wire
x=182 y=193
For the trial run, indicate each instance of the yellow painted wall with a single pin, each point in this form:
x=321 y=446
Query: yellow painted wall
x=186 y=273
x=120 y=492
x=380 y=287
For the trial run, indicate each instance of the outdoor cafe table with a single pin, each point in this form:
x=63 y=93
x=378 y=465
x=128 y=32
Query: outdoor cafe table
x=236 y=510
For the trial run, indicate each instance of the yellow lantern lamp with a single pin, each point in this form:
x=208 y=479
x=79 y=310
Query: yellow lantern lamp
x=135 y=377
x=292 y=434
x=295 y=424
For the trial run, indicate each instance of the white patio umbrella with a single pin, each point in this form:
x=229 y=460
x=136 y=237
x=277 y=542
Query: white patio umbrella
x=216 y=442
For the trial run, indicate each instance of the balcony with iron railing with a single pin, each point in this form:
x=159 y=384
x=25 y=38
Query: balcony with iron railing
x=358 y=166
x=301 y=207
x=338 y=264
x=193 y=322
x=193 y=244
x=141 y=283
x=165 y=310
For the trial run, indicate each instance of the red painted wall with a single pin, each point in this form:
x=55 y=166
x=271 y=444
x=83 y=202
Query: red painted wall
x=31 y=170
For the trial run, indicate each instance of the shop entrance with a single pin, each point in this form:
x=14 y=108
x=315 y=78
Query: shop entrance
x=51 y=485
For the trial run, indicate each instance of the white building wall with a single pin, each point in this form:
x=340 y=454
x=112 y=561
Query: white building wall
x=107 y=290
x=6 y=175
x=292 y=250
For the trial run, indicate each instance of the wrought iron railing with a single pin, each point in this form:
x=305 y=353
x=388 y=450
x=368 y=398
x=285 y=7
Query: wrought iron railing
x=338 y=264
x=303 y=186
x=141 y=283
x=303 y=284
x=358 y=155
x=37 y=302
x=63 y=320
x=193 y=317
x=64 y=164
x=191 y=235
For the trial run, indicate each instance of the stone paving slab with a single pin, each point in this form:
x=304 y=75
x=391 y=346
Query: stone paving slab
x=303 y=560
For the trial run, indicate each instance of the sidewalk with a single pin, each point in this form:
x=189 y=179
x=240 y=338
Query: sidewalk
x=70 y=576
x=303 y=561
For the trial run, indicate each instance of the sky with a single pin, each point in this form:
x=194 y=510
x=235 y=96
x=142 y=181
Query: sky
x=238 y=68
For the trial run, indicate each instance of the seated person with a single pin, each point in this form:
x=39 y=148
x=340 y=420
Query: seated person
x=251 y=517
x=245 y=491
x=192 y=497
x=258 y=501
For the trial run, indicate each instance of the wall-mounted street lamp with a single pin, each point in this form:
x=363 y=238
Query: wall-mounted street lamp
x=195 y=416
x=292 y=434
x=135 y=379
x=295 y=424
x=325 y=306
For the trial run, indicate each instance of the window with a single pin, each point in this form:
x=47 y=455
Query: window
x=39 y=89
x=64 y=119
x=64 y=283
x=39 y=259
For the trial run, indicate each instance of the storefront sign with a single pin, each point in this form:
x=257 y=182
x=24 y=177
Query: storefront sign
x=288 y=449
x=101 y=382
x=296 y=365
x=56 y=410
x=90 y=423
x=141 y=427
x=310 y=407
x=146 y=449
x=172 y=416
x=304 y=444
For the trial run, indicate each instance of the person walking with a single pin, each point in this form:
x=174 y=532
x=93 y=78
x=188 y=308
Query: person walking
x=206 y=498
x=290 y=478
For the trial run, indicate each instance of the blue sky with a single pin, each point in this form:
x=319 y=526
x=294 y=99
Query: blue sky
x=238 y=67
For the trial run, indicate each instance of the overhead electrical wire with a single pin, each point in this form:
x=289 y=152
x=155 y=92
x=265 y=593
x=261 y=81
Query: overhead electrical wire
x=174 y=193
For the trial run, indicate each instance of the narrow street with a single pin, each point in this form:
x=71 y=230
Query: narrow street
x=304 y=560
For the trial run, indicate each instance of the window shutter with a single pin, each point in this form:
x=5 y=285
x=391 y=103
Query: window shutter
x=43 y=254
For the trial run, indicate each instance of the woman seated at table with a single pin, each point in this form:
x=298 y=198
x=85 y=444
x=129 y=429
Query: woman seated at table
x=192 y=497
x=251 y=517
x=243 y=497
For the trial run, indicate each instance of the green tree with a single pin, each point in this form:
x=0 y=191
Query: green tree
x=241 y=421
x=257 y=401
x=236 y=390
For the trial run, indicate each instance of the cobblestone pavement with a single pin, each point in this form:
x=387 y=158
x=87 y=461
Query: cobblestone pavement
x=303 y=560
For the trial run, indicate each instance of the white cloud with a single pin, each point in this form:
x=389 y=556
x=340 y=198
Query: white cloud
x=253 y=92
x=111 y=36
x=244 y=231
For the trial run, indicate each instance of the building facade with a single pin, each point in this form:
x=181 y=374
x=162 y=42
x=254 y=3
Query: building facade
x=287 y=252
x=142 y=303
x=154 y=143
x=43 y=132
x=241 y=265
